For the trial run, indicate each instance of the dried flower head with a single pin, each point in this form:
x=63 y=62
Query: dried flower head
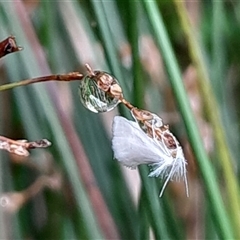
x=9 y=45
x=21 y=147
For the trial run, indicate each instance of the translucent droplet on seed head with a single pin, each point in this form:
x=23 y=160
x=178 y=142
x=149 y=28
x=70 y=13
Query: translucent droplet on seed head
x=94 y=92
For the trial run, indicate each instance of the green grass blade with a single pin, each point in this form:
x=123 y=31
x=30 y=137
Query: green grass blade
x=211 y=106
x=209 y=178
x=30 y=64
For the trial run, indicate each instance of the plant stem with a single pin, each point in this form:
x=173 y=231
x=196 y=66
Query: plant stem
x=218 y=210
x=59 y=77
x=213 y=115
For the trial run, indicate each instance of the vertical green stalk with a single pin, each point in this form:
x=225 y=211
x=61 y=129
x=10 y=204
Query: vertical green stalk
x=107 y=39
x=30 y=65
x=154 y=210
x=99 y=8
x=218 y=51
x=147 y=205
x=143 y=228
x=136 y=62
x=212 y=190
x=214 y=116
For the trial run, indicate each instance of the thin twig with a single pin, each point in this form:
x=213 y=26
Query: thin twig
x=11 y=202
x=72 y=76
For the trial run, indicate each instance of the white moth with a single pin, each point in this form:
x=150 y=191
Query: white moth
x=132 y=147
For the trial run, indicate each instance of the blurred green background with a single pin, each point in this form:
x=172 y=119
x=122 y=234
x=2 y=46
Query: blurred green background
x=174 y=58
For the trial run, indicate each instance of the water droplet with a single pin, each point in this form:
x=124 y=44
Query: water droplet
x=94 y=94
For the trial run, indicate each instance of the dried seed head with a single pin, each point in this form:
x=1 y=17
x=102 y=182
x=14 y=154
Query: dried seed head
x=21 y=147
x=43 y=143
x=116 y=90
x=149 y=122
x=9 y=45
x=104 y=80
x=89 y=69
x=141 y=115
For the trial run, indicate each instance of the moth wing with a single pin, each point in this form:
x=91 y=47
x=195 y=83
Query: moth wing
x=132 y=146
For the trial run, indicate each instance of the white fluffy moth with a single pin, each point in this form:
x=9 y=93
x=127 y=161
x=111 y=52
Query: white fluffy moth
x=148 y=141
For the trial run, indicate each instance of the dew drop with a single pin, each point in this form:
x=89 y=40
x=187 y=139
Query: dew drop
x=94 y=94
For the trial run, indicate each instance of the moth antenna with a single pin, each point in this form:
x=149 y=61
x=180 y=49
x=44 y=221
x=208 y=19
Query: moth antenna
x=167 y=180
x=186 y=184
x=163 y=146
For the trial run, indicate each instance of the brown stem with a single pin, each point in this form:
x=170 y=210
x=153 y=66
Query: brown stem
x=126 y=103
x=11 y=202
x=72 y=76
